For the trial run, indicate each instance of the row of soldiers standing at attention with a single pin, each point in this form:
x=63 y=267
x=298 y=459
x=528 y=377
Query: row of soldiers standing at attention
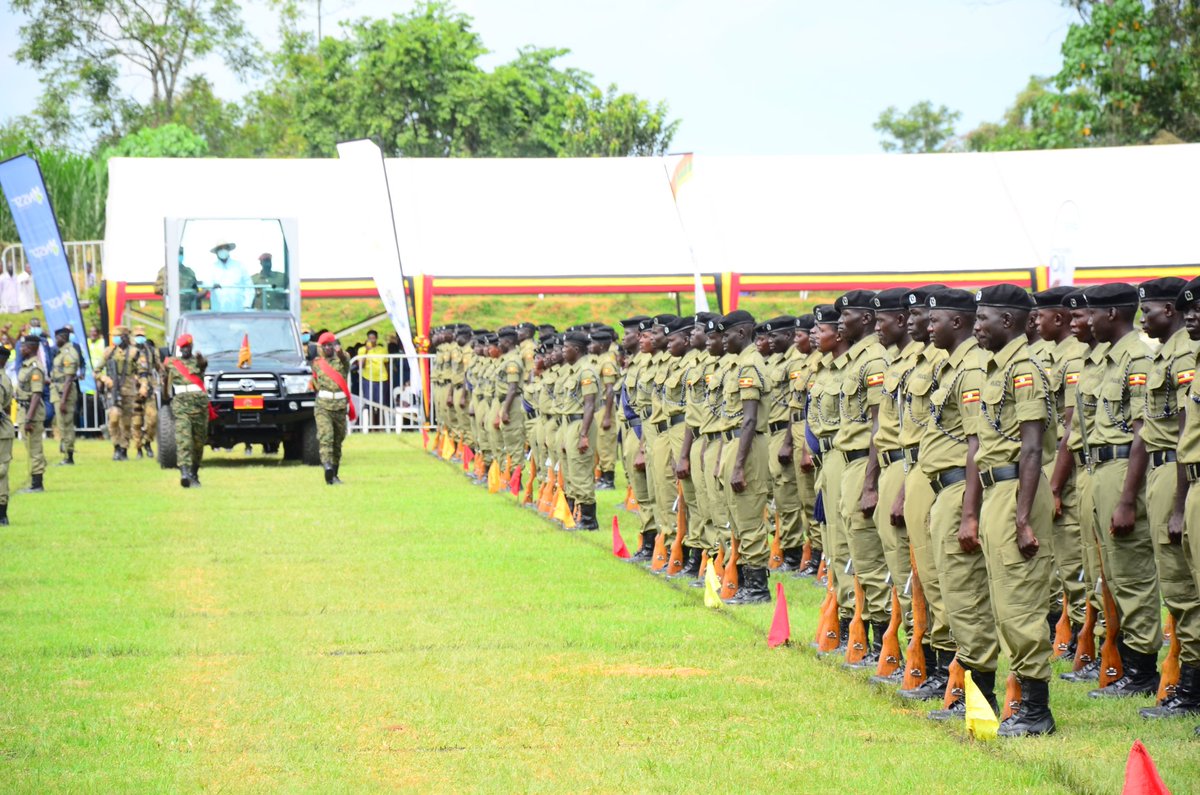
x=1016 y=463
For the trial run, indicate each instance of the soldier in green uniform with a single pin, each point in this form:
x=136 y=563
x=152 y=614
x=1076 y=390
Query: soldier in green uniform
x=631 y=434
x=944 y=460
x=1165 y=499
x=331 y=405
x=64 y=390
x=712 y=431
x=510 y=419
x=1119 y=463
x=8 y=432
x=861 y=391
x=654 y=343
x=782 y=361
x=606 y=439
x=891 y=327
x=744 y=467
x=1013 y=517
x=31 y=417
x=666 y=415
x=672 y=395
x=1062 y=348
x=795 y=447
x=189 y=406
x=1187 y=533
x=270 y=287
x=145 y=410
x=579 y=388
x=689 y=466
x=124 y=373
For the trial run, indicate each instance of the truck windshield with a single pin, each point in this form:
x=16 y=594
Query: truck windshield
x=273 y=337
x=233 y=265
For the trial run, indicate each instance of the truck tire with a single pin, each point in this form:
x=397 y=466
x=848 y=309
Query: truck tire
x=166 y=438
x=310 y=449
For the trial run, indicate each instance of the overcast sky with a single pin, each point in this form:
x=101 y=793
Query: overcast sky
x=747 y=77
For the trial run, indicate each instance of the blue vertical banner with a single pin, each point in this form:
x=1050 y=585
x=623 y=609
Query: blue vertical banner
x=25 y=190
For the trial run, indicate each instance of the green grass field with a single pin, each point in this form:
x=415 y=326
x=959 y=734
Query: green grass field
x=410 y=631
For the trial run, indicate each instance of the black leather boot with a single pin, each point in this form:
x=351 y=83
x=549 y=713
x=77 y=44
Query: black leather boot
x=645 y=551
x=336 y=480
x=4 y=514
x=937 y=663
x=791 y=559
x=185 y=476
x=1067 y=652
x=1033 y=717
x=606 y=481
x=1090 y=672
x=691 y=565
x=68 y=460
x=195 y=476
x=752 y=587
x=116 y=453
x=871 y=658
x=1140 y=679
x=328 y=474
x=810 y=569
x=1184 y=701
x=35 y=485
x=587 y=517
x=149 y=450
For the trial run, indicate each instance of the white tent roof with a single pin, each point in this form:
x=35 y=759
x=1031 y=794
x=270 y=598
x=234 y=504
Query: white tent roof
x=598 y=217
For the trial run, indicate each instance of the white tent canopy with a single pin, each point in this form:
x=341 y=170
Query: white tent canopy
x=607 y=217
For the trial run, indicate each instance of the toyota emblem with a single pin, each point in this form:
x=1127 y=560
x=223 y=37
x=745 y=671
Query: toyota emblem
x=247 y=384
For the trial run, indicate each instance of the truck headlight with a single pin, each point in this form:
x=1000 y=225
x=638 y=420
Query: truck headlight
x=296 y=384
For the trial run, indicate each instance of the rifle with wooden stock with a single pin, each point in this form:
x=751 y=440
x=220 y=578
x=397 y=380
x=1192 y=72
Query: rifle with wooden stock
x=675 y=562
x=914 y=670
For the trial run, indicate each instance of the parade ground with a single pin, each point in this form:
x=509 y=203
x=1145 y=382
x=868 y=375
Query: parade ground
x=409 y=631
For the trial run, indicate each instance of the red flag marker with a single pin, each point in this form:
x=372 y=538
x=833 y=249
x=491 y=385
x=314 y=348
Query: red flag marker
x=619 y=548
x=781 y=628
x=514 y=483
x=425 y=437
x=1141 y=777
x=468 y=457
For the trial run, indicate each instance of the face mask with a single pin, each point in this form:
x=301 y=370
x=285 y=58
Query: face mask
x=139 y=339
x=305 y=337
x=180 y=259
x=118 y=339
x=222 y=255
x=36 y=331
x=71 y=339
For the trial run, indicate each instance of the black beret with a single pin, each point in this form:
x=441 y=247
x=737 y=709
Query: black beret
x=737 y=317
x=702 y=318
x=781 y=323
x=633 y=322
x=548 y=327
x=602 y=335
x=526 y=326
x=826 y=313
x=856 y=299
x=1164 y=289
x=576 y=338
x=31 y=339
x=646 y=324
x=492 y=339
x=806 y=322
x=462 y=329
x=952 y=299
x=1053 y=296
x=1004 y=296
x=1074 y=300
x=893 y=299
x=664 y=319
x=506 y=331
x=1189 y=294
x=1102 y=296
x=712 y=324
x=66 y=332
x=686 y=323
x=919 y=295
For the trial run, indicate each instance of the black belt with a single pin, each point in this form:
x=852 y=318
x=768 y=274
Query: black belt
x=776 y=427
x=797 y=416
x=1080 y=458
x=999 y=474
x=23 y=404
x=710 y=435
x=1160 y=457
x=646 y=416
x=825 y=443
x=736 y=433
x=888 y=457
x=1192 y=472
x=1110 y=452
x=662 y=427
x=531 y=413
x=695 y=431
x=565 y=418
x=946 y=478
x=854 y=455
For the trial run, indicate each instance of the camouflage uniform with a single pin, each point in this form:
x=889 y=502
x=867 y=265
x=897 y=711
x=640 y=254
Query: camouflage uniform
x=66 y=366
x=190 y=408
x=330 y=413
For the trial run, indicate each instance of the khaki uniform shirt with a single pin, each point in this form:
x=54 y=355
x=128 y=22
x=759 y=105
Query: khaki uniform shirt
x=30 y=380
x=1015 y=391
x=724 y=375
x=1171 y=373
x=891 y=404
x=955 y=383
x=66 y=365
x=823 y=397
x=861 y=388
x=1122 y=391
x=751 y=383
x=917 y=390
x=577 y=382
x=695 y=385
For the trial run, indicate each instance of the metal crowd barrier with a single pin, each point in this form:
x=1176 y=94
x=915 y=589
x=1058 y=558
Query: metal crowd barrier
x=392 y=405
x=85 y=258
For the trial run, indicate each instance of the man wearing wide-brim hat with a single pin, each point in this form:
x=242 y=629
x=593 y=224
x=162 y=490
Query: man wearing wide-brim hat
x=230 y=285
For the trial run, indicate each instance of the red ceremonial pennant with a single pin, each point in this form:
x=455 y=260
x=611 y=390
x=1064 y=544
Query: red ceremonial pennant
x=781 y=628
x=1141 y=777
x=514 y=483
x=468 y=457
x=619 y=548
x=425 y=437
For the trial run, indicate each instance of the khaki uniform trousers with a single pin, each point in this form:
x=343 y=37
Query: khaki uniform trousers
x=144 y=428
x=6 y=446
x=64 y=423
x=120 y=420
x=638 y=479
x=895 y=539
x=693 y=514
x=1128 y=561
x=718 y=503
x=746 y=509
x=1175 y=575
x=660 y=471
x=1019 y=587
x=701 y=534
x=512 y=434
x=785 y=493
x=579 y=477
x=927 y=551
x=1081 y=481
x=866 y=548
x=606 y=441
x=1070 y=578
x=964 y=584
x=837 y=542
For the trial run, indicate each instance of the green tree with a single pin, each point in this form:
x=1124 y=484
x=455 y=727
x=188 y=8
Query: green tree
x=167 y=140
x=82 y=49
x=1041 y=118
x=921 y=128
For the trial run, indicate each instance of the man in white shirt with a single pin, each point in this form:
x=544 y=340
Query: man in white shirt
x=26 y=298
x=231 y=287
x=8 y=292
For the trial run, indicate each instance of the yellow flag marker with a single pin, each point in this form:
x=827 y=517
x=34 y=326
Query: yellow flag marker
x=447 y=447
x=494 y=477
x=981 y=721
x=562 y=513
x=712 y=588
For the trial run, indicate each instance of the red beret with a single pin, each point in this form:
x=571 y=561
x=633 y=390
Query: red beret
x=183 y=339
x=327 y=338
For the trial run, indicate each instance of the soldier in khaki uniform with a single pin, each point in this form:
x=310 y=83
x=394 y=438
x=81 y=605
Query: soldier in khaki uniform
x=712 y=432
x=689 y=468
x=1164 y=499
x=144 y=427
x=8 y=432
x=510 y=418
x=1187 y=695
x=124 y=373
x=606 y=439
x=1119 y=463
x=861 y=392
x=64 y=390
x=631 y=433
x=650 y=409
x=31 y=417
x=673 y=395
x=1014 y=515
x=744 y=466
x=783 y=359
x=578 y=387
x=944 y=460
x=796 y=447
